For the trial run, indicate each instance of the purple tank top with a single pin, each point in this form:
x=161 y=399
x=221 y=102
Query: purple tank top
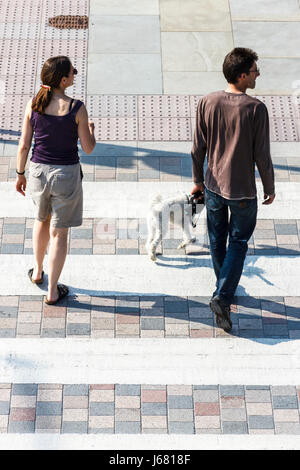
x=55 y=137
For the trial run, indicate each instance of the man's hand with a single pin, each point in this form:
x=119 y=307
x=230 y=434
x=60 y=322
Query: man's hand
x=21 y=184
x=268 y=198
x=196 y=188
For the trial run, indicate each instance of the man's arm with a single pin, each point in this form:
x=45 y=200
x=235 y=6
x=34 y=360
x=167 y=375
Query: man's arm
x=261 y=151
x=199 y=146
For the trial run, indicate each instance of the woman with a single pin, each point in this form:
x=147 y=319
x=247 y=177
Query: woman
x=54 y=173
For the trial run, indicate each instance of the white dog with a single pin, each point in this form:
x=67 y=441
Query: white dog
x=183 y=209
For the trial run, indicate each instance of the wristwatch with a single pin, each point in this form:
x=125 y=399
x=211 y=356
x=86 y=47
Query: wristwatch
x=20 y=172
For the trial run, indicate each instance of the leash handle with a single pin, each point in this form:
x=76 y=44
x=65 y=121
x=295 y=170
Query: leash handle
x=198 y=194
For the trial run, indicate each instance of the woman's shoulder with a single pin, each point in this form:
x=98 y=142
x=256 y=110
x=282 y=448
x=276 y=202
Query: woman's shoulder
x=28 y=109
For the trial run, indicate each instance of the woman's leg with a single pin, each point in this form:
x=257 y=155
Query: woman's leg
x=40 y=240
x=56 y=259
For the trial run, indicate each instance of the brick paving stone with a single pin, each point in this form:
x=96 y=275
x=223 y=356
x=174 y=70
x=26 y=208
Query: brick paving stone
x=122 y=401
x=207 y=409
x=259 y=409
x=128 y=427
x=76 y=390
x=154 y=409
x=180 y=401
x=231 y=427
x=232 y=402
x=286 y=415
x=232 y=390
x=287 y=428
x=257 y=396
x=283 y=390
x=49 y=408
x=233 y=414
x=74 y=427
x=285 y=402
x=102 y=409
x=261 y=422
x=207 y=422
x=181 y=427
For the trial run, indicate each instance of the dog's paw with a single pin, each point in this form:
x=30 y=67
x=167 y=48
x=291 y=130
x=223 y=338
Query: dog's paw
x=181 y=245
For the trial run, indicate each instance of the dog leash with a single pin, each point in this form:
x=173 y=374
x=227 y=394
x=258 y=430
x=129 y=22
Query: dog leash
x=191 y=200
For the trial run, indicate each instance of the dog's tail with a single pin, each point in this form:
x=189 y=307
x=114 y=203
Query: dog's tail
x=155 y=199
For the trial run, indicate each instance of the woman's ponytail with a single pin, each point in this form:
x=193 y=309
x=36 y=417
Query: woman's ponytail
x=54 y=69
x=42 y=99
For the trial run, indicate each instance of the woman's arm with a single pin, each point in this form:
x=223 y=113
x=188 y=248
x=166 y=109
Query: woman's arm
x=23 y=149
x=85 y=130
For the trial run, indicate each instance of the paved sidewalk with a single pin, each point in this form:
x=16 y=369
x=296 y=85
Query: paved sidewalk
x=135 y=349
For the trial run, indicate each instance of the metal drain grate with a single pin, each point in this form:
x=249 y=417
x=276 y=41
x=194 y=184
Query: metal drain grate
x=69 y=22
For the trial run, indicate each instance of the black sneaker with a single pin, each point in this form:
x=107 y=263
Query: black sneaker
x=222 y=313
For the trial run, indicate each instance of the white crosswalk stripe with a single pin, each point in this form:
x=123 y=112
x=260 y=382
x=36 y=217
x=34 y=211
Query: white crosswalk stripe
x=120 y=199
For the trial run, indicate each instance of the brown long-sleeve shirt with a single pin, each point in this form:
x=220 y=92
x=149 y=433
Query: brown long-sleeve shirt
x=233 y=130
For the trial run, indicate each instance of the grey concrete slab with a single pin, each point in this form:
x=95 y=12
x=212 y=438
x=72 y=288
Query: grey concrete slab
x=112 y=148
x=283 y=37
x=129 y=34
x=192 y=15
x=164 y=149
x=124 y=7
x=278 y=76
x=267 y=10
x=193 y=82
x=285 y=149
x=124 y=73
x=194 y=51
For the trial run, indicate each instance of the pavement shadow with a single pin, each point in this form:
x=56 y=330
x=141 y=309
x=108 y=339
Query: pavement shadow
x=264 y=319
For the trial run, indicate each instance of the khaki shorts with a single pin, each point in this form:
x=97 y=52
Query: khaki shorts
x=56 y=190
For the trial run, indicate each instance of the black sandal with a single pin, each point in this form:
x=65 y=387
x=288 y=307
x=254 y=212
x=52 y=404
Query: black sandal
x=35 y=281
x=62 y=292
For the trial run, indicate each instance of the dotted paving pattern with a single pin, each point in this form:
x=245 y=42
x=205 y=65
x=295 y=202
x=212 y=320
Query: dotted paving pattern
x=134 y=409
x=128 y=236
x=146 y=317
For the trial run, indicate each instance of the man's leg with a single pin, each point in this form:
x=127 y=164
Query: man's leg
x=217 y=227
x=241 y=226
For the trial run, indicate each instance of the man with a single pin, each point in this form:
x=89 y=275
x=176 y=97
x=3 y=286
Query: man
x=232 y=128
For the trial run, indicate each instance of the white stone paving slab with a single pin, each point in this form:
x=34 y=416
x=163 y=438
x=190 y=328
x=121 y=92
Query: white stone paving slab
x=195 y=51
x=124 y=7
x=192 y=15
x=124 y=34
x=283 y=37
x=193 y=83
x=124 y=74
x=130 y=200
x=147 y=442
x=138 y=275
x=139 y=361
x=285 y=149
x=278 y=76
x=267 y=10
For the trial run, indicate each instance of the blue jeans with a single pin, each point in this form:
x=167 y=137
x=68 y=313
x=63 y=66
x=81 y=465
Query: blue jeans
x=228 y=262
